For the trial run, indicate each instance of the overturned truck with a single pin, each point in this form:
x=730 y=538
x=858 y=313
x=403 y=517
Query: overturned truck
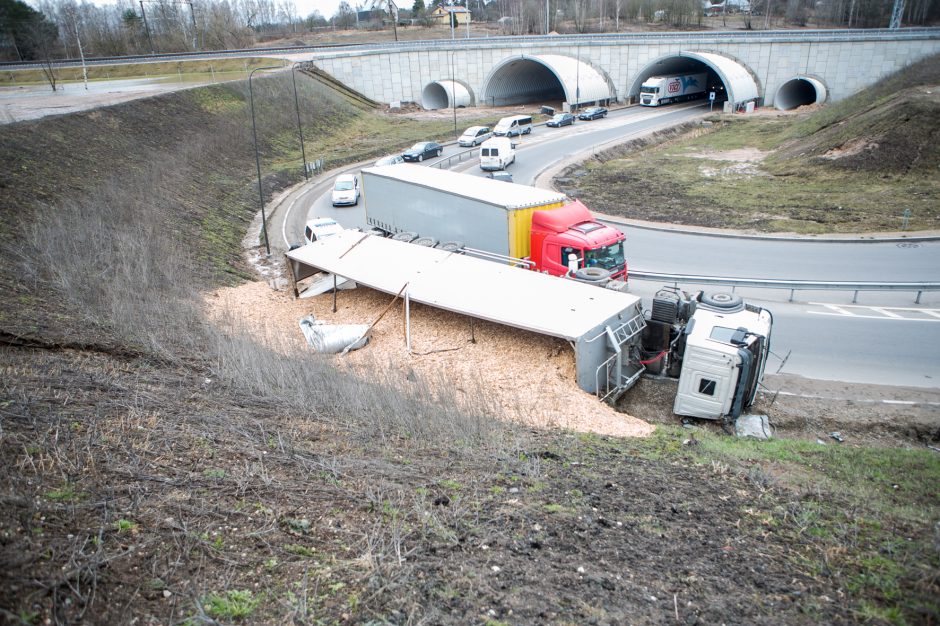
x=715 y=345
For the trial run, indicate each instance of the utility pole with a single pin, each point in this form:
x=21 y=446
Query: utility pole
x=146 y=26
x=192 y=14
x=450 y=14
x=896 y=14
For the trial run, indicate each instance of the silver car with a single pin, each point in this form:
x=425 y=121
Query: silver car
x=474 y=135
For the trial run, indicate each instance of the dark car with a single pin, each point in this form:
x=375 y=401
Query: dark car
x=561 y=119
x=506 y=177
x=423 y=150
x=593 y=113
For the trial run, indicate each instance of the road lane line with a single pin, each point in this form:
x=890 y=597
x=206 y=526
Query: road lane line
x=839 y=310
x=873 y=317
x=885 y=312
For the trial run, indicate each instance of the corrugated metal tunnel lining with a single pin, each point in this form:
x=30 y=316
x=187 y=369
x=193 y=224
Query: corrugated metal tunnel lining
x=799 y=91
x=737 y=82
x=545 y=77
x=445 y=94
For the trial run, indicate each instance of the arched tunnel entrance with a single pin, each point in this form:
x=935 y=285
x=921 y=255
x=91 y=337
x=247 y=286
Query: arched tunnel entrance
x=544 y=78
x=799 y=91
x=445 y=94
x=727 y=78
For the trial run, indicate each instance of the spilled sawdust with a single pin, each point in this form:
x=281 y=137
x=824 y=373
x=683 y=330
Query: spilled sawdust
x=531 y=377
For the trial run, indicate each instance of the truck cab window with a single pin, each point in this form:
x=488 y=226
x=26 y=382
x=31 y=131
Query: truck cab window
x=706 y=387
x=609 y=257
x=566 y=250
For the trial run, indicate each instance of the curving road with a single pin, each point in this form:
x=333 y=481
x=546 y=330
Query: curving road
x=884 y=339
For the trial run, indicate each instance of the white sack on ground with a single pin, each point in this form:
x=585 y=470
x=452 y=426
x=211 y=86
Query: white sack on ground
x=333 y=338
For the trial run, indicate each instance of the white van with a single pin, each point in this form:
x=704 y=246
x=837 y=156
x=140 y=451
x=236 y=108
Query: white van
x=496 y=153
x=513 y=126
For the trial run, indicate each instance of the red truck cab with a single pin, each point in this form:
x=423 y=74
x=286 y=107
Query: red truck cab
x=571 y=229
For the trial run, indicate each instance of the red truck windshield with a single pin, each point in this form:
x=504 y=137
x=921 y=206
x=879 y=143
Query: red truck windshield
x=609 y=257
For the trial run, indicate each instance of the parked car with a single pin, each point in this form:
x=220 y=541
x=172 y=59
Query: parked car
x=561 y=119
x=423 y=150
x=506 y=177
x=346 y=190
x=474 y=135
x=394 y=159
x=592 y=113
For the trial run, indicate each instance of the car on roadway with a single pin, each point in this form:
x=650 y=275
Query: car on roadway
x=561 y=119
x=393 y=159
x=423 y=150
x=592 y=113
x=506 y=177
x=346 y=190
x=320 y=227
x=474 y=135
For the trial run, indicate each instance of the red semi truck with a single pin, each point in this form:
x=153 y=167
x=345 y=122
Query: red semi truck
x=536 y=228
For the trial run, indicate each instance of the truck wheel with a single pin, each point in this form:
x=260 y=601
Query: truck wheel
x=722 y=300
x=406 y=236
x=426 y=242
x=450 y=246
x=592 y=273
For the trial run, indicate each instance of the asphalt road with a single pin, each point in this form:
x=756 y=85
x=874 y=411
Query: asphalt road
x=883 y=339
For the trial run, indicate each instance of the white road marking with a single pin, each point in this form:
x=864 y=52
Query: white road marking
x=838 y=309
x=858 y=400
x=873 y=317
x=885 y=313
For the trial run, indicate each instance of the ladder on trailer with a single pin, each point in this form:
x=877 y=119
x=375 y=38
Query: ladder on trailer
x=620 y=372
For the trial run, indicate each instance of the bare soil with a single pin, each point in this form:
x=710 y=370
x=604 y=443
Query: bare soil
x=134 y=493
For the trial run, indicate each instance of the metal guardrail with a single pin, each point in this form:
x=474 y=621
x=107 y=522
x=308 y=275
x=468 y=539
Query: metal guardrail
x=854 y=34
x=792 y=285
x=447 y=162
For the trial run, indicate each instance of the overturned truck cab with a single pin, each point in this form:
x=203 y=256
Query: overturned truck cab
x=715 y=344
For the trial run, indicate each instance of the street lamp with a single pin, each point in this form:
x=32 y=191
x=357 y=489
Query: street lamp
x=254 y=134
x=300 y=130
x=453 y=90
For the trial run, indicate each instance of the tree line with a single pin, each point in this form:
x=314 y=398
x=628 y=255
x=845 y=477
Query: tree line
x=68 y=28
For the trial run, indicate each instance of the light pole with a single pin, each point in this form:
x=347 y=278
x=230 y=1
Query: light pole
x=577 y=81
x=453 y=90
x=300 y=130
x=254 y=134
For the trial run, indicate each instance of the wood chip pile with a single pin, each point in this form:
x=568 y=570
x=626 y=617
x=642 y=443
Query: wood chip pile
x=530 y=376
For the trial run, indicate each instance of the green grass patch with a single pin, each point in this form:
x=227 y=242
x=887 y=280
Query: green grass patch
x=124 y=526
x=216 y=69
x=66 y=493
x=299 y=550
x=864 y=515
x=233 y=604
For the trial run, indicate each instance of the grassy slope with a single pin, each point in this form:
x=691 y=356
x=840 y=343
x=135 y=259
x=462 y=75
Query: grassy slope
x=853 y=166
x=174 y=492
x=188 y=158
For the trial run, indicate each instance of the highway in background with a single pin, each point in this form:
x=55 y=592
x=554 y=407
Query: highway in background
x=884 y=339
